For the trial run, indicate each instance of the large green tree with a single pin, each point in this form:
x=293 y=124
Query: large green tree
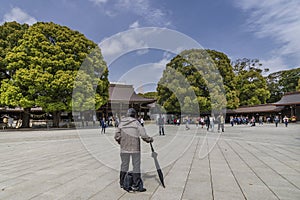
x=90 y=90
x=289 y=79
x=281 y=82
x=44 y=66
x=274 y=87
x=251 y=85
x=10 y=33
x=197 y=78
x=225 y=69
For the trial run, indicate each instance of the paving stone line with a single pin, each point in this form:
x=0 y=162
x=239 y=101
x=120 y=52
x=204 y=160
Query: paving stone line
x=221 y=174
x=265 y=162
x=198 y=185
x=254 y=172
x=228 y=165
x=210 y=170
x=269 y=175
x=278 y=156
x=190 y=168
x=176 y=177
x=274 y=148
x=252 y=186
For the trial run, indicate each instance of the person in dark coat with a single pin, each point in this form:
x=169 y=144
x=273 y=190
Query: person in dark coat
x=207 y=122
x=276 y=120
x=286 y=121
x=103 y=125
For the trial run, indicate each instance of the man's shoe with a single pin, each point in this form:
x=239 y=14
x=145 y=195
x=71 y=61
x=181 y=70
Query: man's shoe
x=136 y=189
x=142 y=190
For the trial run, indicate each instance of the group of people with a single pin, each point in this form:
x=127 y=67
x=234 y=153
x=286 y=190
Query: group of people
x=112 y=121
x=211 y=120
x=253 y=120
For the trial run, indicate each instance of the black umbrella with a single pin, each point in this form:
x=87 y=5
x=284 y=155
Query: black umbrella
x=160 y=174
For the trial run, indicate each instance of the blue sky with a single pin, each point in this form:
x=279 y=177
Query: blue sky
x=265 y=29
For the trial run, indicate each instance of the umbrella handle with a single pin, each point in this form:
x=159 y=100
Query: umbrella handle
x=151 y=147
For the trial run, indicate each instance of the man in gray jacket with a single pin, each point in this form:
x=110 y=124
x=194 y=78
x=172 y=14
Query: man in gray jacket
x=128 y=135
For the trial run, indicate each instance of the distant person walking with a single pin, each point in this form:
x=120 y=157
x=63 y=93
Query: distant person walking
x=202 y=121
x=161 y=123
x=276 y=120
x=103 y=125
x=212 y=122
x=142 y=121
x=207 y=122
x=187 y=122
x=178 y=122
x=260 y=120
x=117 y=121
x=232 y=120
x=286 y=120
x=221 y=123
x=252 y=122
x=10 y=121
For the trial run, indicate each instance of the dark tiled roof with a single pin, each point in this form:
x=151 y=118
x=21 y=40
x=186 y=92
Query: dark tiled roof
x=258 y=109
x=289 y=99
x=125 y=93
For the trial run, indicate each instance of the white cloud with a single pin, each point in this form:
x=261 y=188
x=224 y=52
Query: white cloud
x=142 y=51
x=148 y=76
x=18 y=15
x=278 y=20
x=144 y=38
x=99 y=2
x=134 y=24
x=110 y=13
x=120 y=44
x=141 y=8
x=274 y=64
x=140 y=40
x=144 y=9
x=161 y=64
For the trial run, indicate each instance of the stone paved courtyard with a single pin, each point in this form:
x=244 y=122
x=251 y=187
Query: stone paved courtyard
x=261 y=162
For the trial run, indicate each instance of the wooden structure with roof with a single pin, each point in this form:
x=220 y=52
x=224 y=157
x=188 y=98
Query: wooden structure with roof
x=291 y=102
x=258 y=109
x=288 y=105
x=122 y=97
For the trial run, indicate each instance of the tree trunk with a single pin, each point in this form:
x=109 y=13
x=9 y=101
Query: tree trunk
x=26 y=118
x=56 y=119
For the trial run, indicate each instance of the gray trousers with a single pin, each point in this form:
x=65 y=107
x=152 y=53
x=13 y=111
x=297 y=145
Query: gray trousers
x=136 y=163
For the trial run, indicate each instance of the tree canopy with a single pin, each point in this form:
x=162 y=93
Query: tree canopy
x=10 y=33
x=197 y=79
x=242 y=81
x=250 y=84
x=43 y=67
x=282 y=82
